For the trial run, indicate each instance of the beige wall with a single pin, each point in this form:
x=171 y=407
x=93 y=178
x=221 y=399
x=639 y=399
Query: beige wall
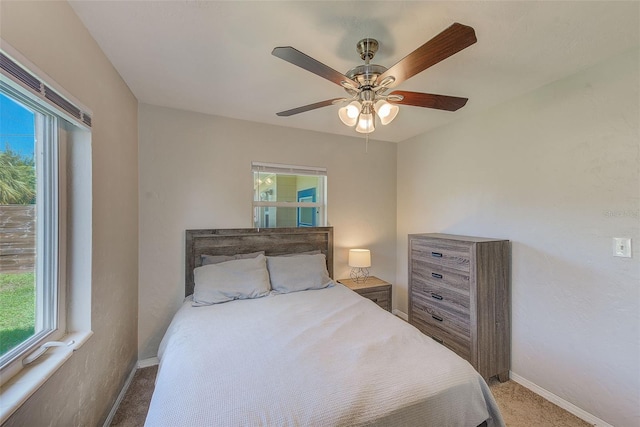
x=82 y=392
x=558 y=173
x=195 y=172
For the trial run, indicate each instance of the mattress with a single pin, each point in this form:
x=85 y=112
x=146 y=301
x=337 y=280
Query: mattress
x=326 y=357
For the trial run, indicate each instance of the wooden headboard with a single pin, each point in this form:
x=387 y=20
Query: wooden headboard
x=273 y=241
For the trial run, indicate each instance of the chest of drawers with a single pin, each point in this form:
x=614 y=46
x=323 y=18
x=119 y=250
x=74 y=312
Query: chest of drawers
x=459 y=294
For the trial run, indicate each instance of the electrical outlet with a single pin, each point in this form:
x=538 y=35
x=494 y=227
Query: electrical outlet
x=622 y=247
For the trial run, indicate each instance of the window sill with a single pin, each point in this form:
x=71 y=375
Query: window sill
x=20 y=387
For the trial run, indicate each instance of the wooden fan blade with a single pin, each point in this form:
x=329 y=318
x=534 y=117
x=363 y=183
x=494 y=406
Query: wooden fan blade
x=450 y=41
x=302 y=60
x=428 y=100
x=309 y=107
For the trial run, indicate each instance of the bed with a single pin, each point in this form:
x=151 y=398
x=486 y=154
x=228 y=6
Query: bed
x=322 y=356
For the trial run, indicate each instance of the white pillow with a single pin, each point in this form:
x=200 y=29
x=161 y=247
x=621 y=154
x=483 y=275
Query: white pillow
x=298 y=273
x=217 y=259
x=226 y=281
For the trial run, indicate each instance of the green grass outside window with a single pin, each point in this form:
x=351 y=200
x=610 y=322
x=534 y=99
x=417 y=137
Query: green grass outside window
x=17 y=309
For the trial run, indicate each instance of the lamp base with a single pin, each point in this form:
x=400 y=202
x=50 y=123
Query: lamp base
x=359 y=275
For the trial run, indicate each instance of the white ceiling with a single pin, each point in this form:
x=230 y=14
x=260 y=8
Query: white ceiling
x=214 y=57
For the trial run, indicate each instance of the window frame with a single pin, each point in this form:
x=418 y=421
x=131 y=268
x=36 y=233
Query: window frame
x=283 y=169
x=50 y=304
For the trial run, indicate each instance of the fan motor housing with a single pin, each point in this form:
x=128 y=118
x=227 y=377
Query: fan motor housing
x=365 y=74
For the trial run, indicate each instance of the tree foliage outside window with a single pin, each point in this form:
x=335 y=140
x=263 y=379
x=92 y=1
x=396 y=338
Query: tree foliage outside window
x=17 y=179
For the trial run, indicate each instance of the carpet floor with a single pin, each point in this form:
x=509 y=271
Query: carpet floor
x=520 y=406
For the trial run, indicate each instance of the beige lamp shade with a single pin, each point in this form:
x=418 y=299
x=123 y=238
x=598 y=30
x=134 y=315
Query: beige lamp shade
x=359 y=258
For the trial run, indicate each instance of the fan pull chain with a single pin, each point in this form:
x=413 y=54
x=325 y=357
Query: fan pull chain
x=366 y=144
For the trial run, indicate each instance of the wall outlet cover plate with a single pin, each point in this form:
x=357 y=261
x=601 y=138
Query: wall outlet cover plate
x=622 y=247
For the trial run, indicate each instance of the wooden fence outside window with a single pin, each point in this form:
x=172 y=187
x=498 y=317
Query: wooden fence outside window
x=17 y=238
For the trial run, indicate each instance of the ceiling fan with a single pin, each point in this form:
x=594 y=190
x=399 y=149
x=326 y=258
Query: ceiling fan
x=367 y=84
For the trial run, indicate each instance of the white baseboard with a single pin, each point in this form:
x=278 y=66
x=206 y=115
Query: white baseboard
x=116 y=404
x=567 y=406
x=145 y=363
x=400 y=314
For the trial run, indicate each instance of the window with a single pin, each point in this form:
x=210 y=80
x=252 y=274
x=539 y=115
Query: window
x=37 y=127
x=29 y=211
x=288 y=196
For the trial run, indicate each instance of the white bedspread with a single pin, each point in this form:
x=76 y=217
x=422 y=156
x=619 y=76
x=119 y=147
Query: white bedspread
x=314 y=358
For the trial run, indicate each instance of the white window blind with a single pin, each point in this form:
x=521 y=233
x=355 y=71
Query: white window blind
x=287 y=169
x=13 y=74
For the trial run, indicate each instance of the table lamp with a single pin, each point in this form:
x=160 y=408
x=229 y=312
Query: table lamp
x=359 y=261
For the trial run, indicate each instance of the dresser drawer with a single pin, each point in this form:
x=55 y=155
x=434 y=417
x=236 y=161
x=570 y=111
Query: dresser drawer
x=443 y=297
x=428 y=272
x=434 y=315
x=379 y=297
x=460 y=345
x=453 y=255
x=377 y=290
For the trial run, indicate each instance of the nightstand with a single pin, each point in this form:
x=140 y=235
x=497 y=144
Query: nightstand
x=377 y=290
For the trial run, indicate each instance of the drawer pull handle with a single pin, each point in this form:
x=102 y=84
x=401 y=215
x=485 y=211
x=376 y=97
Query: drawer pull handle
x=436 y=254
x=438 y=318
x=436 y=275
x=438 y=340
x=436 y=296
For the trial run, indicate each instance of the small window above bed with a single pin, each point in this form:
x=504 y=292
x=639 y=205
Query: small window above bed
x=288 y=196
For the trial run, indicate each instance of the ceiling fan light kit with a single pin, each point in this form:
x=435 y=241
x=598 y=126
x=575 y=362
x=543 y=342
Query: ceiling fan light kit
x=368 y=83
x=349 y=114
x=366 y=123
x=357 y=114
x=386 y=111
